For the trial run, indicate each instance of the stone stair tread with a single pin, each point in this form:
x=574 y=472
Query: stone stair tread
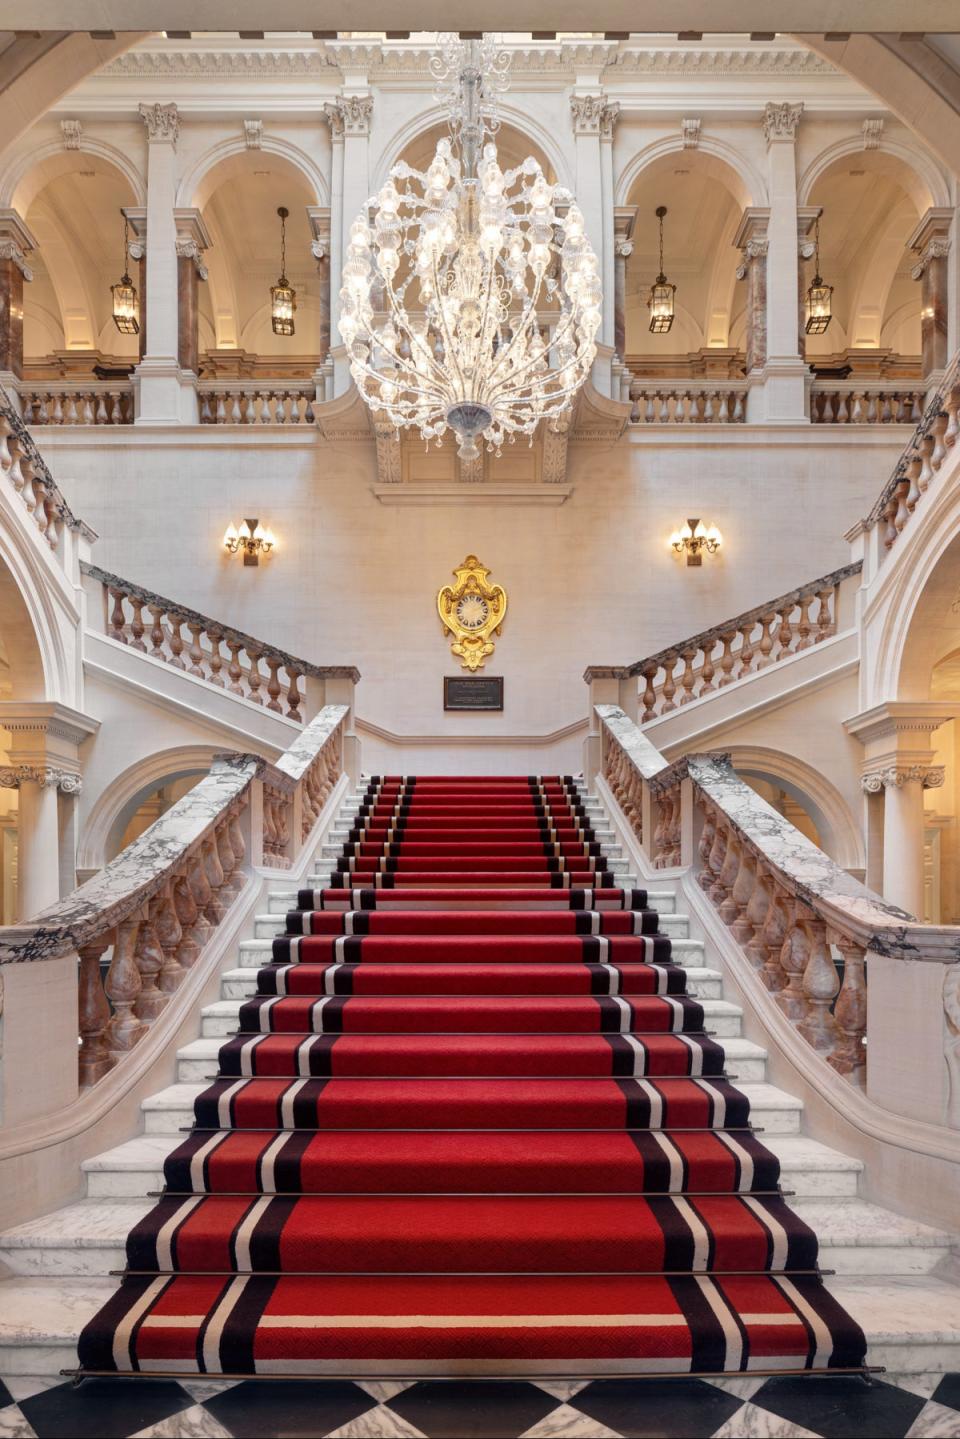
x=88 y=1224
x=225 y=1008
x=798 y=1151
x=248 y=974
x=48 y=1310
x=857 y=1222
x=209 y=1048
x=903 y=1308
x=144 y=1151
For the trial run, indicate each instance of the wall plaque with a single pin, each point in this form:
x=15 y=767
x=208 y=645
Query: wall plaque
x=473 y=692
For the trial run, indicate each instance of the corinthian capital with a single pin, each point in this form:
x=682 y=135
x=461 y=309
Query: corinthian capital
x=937 y=249
x=593 y=114
x=10 y=250
x=162 y=122
x=45 y=775
x=349 y=115
x=895 y=776
x=780 y=120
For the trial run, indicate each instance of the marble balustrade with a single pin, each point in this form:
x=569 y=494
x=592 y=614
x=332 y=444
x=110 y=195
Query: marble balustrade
x=26 y=471
x=729 y=651
x=138 y=927
x=155 y=626
x=667 y=402
x=845 y=402
x=808 y=929
x=85 y=403
x=229 y=402
x=922 y=457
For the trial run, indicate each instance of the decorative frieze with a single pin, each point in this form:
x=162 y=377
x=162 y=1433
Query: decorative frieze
x=162 y=122
x=780 y=120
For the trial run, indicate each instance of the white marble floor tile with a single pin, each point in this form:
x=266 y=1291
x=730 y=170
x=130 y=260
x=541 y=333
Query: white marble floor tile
x=922 y=1385
x=741 y=1386
x=935 y=1421
x=203 y=1389
x=565 y=1422
x=752 y=1422
x=13 y=1425
x=25 y=1388
x=379 y=1423
x=193 y=1423
x=562 y=1389
x=383 y=1389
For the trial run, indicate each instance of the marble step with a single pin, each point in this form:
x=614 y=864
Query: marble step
x=197 y=1061
x=251 y=953
x=809 y=1169
x=332 y=848
x=281 y=898
x=89 y=1238
x=675 y=926
x=722 y=1019
x=912 y=1323
x=701 y=983
x=772 y=1110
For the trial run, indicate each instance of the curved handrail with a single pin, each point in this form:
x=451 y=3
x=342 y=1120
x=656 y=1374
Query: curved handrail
x=31 y=478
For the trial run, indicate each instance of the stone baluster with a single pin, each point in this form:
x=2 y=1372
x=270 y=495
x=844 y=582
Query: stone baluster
x=254 y=677
x=158 y=637
x=688 y=677
x=820 y=985
x=216 y=909
x=765 y=642
x=705 y=843
x=269 y=824
x=149 y=959
x=707 y=670
x=826 y=625
x=785 y=631
x=196 y=653
x=913 y=467
x=741 y=895
x=727 y=906
x=215 y=660
x=118 y=621
x=202 y=894
x=758 y=907
x=925 y=448
x=649 y=693
x=274 y=688
x=804 y=627
x=169 y=932
x=188 y=913
x=794 y=956
x=176 y=641
x=233 y=669
x=901 y=511
x=669 y=687
x=237 y=843
x=727 y=676
x=850 y=1012
x=232 y=881
x=771 y=939
x=137 y=627
x=123 y=984
x=95 y=1058
x=294 y=697
x=710 y=880
x=938 y=450
x=746 y=652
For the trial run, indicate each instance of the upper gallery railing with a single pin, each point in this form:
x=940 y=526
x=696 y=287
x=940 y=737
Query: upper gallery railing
x=925 y=452
x=791 y=910
x=26 y=470
x=157 y=905
x=154 y=625
x=735 y=648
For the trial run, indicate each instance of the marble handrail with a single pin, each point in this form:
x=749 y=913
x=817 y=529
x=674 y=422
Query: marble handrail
x=747 y=643
x=27 y=471
x=200 y=655
x=156 y=906
x=922 y=457
x=788 y=906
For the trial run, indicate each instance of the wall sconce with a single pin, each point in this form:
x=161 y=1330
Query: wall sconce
x=251 y=539
x=693 y=538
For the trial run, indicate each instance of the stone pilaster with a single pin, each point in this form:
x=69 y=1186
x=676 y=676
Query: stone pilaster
x=594 y=117
x=16 y=242
x=624 y=220
x=784 y=370
x=751 y=241
x=192 y=239
x=162 y=397
x=349 y=118
x=930 y=242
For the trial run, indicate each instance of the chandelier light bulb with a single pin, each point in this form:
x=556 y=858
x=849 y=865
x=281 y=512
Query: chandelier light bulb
x=471 y=296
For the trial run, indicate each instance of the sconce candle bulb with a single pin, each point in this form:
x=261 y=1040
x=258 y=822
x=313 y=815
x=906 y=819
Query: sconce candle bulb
x=693 y=537
x=251 y=540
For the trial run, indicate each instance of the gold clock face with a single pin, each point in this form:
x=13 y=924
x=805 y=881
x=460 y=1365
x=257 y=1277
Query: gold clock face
x=472 y=611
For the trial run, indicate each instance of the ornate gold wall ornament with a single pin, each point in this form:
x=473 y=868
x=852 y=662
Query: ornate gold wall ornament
x=472 y=610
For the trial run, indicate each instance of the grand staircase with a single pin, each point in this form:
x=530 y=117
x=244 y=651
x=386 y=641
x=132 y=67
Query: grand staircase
x=474 y=1102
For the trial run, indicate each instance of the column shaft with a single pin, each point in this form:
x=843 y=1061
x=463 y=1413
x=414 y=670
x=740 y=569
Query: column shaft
x=11 y=317
x=903 y=846
x=38 y=859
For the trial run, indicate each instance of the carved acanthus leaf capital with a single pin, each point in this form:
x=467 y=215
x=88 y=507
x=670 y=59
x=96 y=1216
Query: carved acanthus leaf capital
x=895 y=776
x=937 y=249
x=593 y=114
x=188 y=249
x=46 y=776
x=320 y=249
x=623 y=249
x=349 y=115
x=780 y=120
x=162 y=122
x=10 y=250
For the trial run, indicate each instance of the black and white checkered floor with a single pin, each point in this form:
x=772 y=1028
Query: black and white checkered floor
x=890 y=1408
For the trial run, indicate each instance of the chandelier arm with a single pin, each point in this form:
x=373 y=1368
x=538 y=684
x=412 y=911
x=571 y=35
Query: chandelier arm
x=529 y=309
x=400 y=312
x=449 y=348
x=565 y=325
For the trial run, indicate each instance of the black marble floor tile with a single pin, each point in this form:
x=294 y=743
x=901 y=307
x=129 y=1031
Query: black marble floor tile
x=657 y=1408
x=5 y=1396
x=843 y=1407
x=103 y=1408
x=948 y=1391
x=288 y=1409
x=472 y=1409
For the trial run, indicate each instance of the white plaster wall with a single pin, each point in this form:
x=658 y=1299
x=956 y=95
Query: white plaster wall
x=354 y=581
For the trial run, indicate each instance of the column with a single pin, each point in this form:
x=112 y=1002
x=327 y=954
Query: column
x=320 y=220
x=751 y=241
x=162 y=396
x=624 y=219
x=591 y=114
x=785 y=375
x=137 y=219
x=38 y=861
x=807 y=216
x=903 y=787
x=930 y=241
x=192 y=239
x=353 y=114
x=335 y=120
x=16 y=242
x=609 y=116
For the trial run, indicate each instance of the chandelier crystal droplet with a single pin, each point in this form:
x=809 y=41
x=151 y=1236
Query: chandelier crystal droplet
x=471 y=295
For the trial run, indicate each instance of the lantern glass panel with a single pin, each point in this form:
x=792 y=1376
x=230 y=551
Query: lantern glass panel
x=283 y=303
x=819 y=308
x=660 y=305
x=126 y=307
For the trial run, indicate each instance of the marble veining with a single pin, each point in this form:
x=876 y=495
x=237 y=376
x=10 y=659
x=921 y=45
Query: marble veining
x=298 y=757
x=137 y=872
x=640 y=751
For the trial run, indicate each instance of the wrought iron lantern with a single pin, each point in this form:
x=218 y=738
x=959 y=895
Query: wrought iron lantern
x=660 y=302
x=126 y=302
x=819 y=304
x=283 y=297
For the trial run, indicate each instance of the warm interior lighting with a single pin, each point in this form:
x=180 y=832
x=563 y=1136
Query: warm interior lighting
x=126 y=303
x=251 y=539
x=283 y=297
x=660 y=301
x=693 y=537
x=819 y=304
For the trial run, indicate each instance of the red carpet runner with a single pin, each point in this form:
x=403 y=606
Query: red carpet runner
x=471 y=1122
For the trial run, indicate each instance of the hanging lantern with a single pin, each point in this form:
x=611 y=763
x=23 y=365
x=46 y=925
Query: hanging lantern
x=819 y=296
x=126 y=303
x=660 y=303
x=283 y=297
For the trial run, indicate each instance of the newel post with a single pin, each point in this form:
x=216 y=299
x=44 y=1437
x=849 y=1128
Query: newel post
x=913 y=1037
x=341 y=690
x=688 y=836
x=40 y=1029
x=605 y=684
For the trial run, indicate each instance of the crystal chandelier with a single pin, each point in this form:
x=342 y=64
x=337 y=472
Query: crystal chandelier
x=471 y=298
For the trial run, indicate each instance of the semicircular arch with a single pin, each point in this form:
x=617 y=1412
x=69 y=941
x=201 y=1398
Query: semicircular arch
x=121 y=798
x=916 y=173
x=425 y=120
x=840 y=835
x=32 y=173
x=232 y=157
x=714 y=156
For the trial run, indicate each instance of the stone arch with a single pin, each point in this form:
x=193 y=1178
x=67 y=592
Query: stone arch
x=119 y=801
x=915 y=171
x=722 y=160
x=231 y=157
x=35 y=170
x=933 y=628
x=39 y=667
x=840 y=835
x=513 y=119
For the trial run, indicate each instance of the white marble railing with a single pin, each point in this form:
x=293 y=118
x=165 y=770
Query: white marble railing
x=733 y=649
x=81 y=402
x=122 y=944
x=851 y=402
x=154 y=625
x=922 y=457
x=25 y=470
x=246 y=402
x=685 y=402
x=808 y=930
